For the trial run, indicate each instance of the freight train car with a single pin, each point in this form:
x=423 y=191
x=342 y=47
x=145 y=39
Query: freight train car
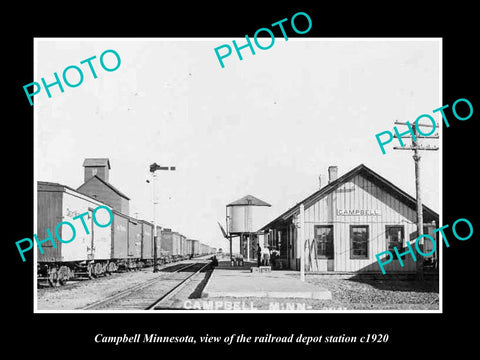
x=119 y=236
x=94 y=250
x=134 y=241
x=196 y=247
x=184 y=253
x=207 y=249
x=175 y=244
x=170 y=242
x=125 y=243
x=147 y=243
x=89 y=252
x=193 y=247
x=163 y=256
x=203 y=249
x=180 y=240
x=189 y=248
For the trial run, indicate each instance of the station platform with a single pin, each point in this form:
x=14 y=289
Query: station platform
x=237 y=281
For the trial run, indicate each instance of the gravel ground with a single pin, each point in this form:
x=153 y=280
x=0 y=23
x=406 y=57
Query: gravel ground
x=380 y=294
x=76 y=295
x=346 y=295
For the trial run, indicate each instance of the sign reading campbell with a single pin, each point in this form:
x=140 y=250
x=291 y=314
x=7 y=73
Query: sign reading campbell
x=357 y=212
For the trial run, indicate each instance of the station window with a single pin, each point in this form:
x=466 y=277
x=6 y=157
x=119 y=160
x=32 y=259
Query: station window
x=395 y=236
x=324 y=240
x=359 y=241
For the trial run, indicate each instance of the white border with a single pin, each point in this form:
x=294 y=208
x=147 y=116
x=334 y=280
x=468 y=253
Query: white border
x=440 y=122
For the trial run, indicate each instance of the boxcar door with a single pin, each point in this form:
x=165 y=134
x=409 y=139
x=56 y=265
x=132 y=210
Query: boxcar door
x=91 y=244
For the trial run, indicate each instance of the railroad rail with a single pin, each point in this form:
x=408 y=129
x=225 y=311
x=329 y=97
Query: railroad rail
x=159 y=304
x=145 y=296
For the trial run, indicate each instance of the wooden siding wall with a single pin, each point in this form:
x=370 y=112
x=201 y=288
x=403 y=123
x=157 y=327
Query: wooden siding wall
x=203 y=248
x=98 y=190
x=81 y=247
x=196 y=247
x=49 y=214
x=159 y=240
x=101 y=171
x=189 y=244
x=147 y=244
x=176 y=244
x=183 y=245
x=134 y=239
x=361 y=194
x=119 y=243
x=169 y=243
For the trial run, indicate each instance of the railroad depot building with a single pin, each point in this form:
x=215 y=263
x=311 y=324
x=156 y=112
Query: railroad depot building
x=347 y=222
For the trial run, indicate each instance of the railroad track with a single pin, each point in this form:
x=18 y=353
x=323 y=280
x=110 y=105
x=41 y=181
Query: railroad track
x=151 y=294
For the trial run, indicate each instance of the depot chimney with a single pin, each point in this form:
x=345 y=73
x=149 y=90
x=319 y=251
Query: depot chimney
x=332 y=173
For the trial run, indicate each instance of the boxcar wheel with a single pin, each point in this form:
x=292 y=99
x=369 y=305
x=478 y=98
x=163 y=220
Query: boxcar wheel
x=98 y=269
x=90 y=271
x=111 y=267
x=63 y=275
x=53 y=276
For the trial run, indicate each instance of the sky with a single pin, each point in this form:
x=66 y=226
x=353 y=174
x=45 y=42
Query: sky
x=267 y=126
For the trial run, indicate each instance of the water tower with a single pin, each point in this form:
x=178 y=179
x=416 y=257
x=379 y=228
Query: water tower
x=244 y=218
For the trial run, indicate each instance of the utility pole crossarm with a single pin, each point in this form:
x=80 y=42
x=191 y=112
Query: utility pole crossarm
x=431 y=148
x=405 y=123
x=434 y=136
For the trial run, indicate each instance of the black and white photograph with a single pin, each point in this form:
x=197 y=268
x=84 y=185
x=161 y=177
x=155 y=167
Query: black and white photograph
x=253 y=179
x=259 y=186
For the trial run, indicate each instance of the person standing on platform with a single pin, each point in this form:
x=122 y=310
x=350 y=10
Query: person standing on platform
x=259 y=255
x=266 y=256
x=273 y=258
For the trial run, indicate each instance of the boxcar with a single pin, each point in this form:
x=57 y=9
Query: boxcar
x=134 y=239
x=147 y=242
x=183 y=245
x=203 y=249
x=59 y=203
x=192 y=247
x=163 y=256
x=119 y=236
x=174 y=243
x=196 y=247
x=126 y=241
x=168 y=242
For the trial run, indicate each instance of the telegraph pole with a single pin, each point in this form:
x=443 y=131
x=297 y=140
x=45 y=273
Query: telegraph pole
x=155 y=255
x=227 y=233
x=416 y=157
x=302 y=242
x=154 y=167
